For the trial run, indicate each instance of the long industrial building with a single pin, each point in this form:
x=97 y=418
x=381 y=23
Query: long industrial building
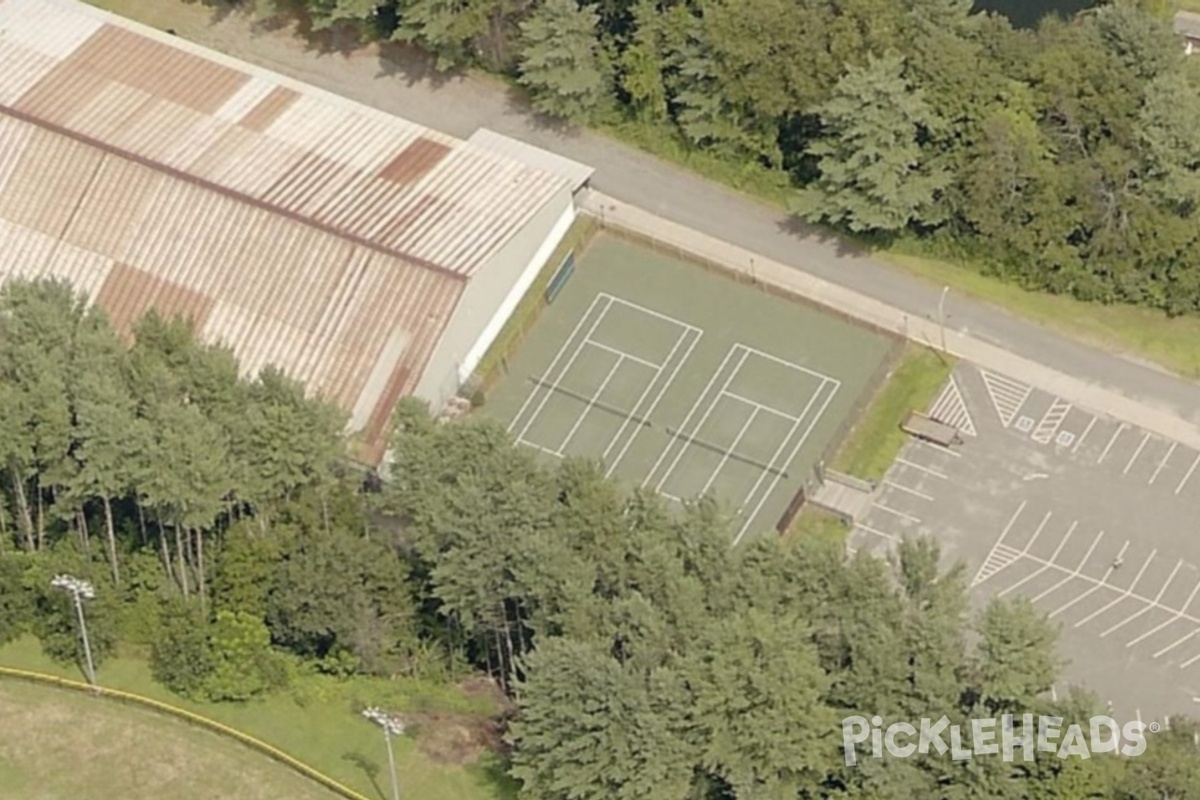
x=365 y=255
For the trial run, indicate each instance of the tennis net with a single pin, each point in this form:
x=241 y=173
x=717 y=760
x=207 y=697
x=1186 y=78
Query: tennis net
x=591 y=402
x=765 y=467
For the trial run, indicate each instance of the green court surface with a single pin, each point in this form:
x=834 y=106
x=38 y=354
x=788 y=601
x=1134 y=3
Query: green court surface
x=685 y=381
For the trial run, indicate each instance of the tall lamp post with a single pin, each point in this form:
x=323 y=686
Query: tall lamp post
x=942 y=315
x=391 y=727
x=79 y=590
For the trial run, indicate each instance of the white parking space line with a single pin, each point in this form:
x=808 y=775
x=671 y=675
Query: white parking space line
x=1123 y=595
x=1000 y=556
x=939 y=449
x=1135 y=455
x=1176 y=643
x=1096 y=586
x=1157 y=597
x=1111 y=442
x=1189 y=662
x=1086 y=431
x=1045 y=566
x=1163 y=463
x=1178 y=615
x=903 y=488
x=926 y=470
x=1075 y=572
x=900 y=514
x=1191 y=469
x=875 y=531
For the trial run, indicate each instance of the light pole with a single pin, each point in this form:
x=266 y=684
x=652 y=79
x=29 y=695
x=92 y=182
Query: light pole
x=391 y=727
x=942 y=315
x=79 y=590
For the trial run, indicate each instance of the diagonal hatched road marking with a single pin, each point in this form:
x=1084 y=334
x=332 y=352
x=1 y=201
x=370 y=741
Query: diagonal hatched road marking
x=1007 y=395
x=950 y=408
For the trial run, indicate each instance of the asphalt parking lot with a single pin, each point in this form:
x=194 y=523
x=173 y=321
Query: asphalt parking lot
x=1096 y=521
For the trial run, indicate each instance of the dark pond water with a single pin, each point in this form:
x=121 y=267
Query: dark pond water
x=1026 y=13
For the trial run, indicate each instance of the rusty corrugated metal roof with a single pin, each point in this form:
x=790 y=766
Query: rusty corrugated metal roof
x=405 y=189
x=322 y=308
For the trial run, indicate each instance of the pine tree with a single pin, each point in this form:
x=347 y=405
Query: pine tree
x=562 y=63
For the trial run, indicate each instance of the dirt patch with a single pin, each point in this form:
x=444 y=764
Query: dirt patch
x=456 y=738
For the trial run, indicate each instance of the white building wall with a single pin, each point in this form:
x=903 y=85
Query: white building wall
x=491 y=297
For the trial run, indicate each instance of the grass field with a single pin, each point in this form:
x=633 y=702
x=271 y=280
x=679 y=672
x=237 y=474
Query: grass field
x=876 y=440
x=686 y=381
x=813 y=523
x=317 y=723
x=57 y=744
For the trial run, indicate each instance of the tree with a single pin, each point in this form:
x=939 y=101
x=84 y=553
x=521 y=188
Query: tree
x=1169 y=119
x=181 y=657
x=873 y=175
x=1016 y=660
x=243 y=664
x=562 y=63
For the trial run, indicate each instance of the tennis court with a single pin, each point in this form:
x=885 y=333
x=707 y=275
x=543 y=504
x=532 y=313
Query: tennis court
x=685 y=381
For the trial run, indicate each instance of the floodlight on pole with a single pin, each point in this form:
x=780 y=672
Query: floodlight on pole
x=391 y=727
x=79 y=590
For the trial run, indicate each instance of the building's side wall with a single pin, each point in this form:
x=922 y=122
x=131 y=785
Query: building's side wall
x=491 y=297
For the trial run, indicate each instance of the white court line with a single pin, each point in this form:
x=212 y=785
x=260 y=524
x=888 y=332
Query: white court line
x=901 y=514
x=590 y=404
x=700 y=425
x=729 y=451
x=1175 y=618
x=1111 y=442
x=624 y=355
x=1124 y=595
x=1136 y=453
x=932 y=472
x=1179 y=488
x=557 y=357
x=691 y=412
x=1176 y=643
x=760 y=407
x=863 y=527
x=657 y=399
x=821 y=375
x=645 y=310
x=1078 y=567
x=1096 y=584
x=1086 y=431
x=903 y=488
x=1044 y=567
x=1166 y=458
x=1157 y=598
x=791 y=456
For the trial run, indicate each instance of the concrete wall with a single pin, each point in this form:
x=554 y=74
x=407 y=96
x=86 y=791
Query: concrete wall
x=491 y=297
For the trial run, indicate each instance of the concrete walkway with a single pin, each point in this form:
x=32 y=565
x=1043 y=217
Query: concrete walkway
x=1091 y=396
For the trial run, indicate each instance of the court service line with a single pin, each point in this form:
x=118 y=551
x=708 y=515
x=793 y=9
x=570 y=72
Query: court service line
x=791 y=456
x=904 y=488
x=1044 y=567
x=1179 y=488
x=645 y=310
x=1166 y=458
x=618 y=352
x=1111 y=442
x=590 y=405
x=1135 y=455
x=932 y=472
x=557 y=357
x=1157 y=598
x=703 y=419
x=1124 y=595
x=819 y=375
x=1086 y=431
x=1174 y=618
x=760 y=407
x=783 y=442
x=657 y=399
x=1097 y=584
x=691 y=412
x=1078 y=567
x=729 y=451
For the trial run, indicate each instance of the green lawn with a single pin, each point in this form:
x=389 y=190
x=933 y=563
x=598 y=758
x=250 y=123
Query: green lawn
x=876 y=440
x=813 y=523
x=58 y=744
x=317 y=723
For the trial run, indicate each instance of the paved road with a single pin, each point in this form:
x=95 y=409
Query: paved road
x=461 y=105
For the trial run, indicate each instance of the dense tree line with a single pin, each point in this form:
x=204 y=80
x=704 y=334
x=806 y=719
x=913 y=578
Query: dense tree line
x=644 y=657
x=1063 y=158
